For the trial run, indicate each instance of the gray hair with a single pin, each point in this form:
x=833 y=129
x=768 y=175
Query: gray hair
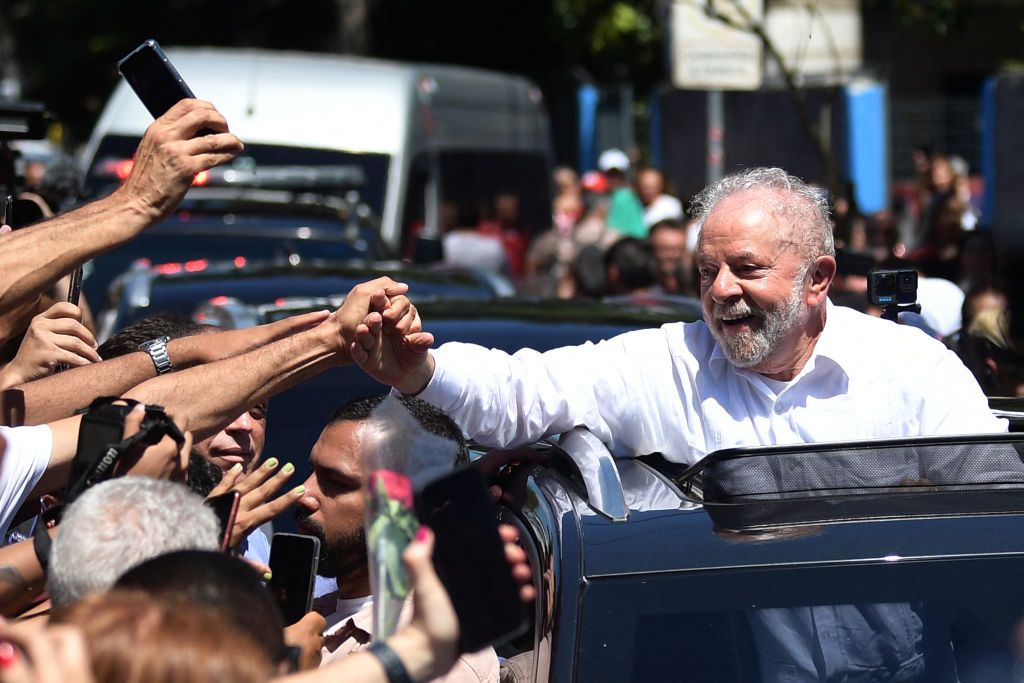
x=806 y=210
x=120 y=523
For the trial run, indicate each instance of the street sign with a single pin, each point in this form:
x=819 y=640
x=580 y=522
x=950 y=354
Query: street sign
x=707 y=53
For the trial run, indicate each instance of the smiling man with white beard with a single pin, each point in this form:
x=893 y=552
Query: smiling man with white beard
x=773 y=362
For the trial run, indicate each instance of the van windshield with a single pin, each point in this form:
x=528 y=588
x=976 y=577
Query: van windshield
x=114 y=150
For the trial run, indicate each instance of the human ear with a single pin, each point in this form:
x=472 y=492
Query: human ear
x=821 y=276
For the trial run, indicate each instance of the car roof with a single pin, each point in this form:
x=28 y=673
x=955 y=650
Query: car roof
x=667 y=530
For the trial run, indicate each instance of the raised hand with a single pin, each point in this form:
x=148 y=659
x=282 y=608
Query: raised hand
x=55 y=336
x=391 y=347
x=163 y=460
x=375 y=295
x=256 y=506
x=169 y=156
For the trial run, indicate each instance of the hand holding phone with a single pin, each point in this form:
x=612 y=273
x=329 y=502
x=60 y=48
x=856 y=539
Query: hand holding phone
x=469 y=557
x=225 y=506
x=293 y=563
x=155 y=80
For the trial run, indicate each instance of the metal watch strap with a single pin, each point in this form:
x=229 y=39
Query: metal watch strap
x=157 y=350
x=389 y=660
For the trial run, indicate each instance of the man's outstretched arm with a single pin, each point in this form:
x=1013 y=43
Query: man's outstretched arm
x=211 y=396
x=58 y=396
x=167 y=160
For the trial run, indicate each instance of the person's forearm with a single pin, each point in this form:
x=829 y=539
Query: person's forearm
x=21 y=576
x=213 y=395
x=33 y=259
x=58 y=396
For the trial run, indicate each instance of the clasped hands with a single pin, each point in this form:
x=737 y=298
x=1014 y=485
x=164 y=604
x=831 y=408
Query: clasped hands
x=384 y=336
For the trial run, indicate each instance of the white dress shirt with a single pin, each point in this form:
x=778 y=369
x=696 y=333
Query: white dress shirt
x=672 y=390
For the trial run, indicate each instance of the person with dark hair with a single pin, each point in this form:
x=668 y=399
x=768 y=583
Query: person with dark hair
x=218 y=582
x=129 y=339
x=658 y=205
x=629 y=267
x=332 y=510
x=625 y=212
x=466 y=247
x=132 y=638
x=673 y=260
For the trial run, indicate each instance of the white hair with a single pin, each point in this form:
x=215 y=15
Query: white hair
x=119 y=524
x=806 y=209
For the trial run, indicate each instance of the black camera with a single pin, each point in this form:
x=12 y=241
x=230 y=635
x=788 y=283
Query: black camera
x=18 y=121
x=101 y=443
x=887 y=287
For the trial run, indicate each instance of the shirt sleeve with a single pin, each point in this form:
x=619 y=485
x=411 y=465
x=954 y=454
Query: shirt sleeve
x=22 y=464
x=504 y=400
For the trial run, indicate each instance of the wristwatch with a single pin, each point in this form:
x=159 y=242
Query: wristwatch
x=157 y=350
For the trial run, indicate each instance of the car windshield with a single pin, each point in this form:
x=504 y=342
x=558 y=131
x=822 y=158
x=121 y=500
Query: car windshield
x=950 y=620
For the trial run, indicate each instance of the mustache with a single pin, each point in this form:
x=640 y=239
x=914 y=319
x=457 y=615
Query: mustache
x=736 y=308
x=302 y=517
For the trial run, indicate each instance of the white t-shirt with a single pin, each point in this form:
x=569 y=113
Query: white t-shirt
x=942 y=304
x=472 y=250
x=672 y=390
x=22 y=464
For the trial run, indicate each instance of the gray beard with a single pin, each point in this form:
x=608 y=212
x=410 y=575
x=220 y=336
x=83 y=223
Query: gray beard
x=749 y=349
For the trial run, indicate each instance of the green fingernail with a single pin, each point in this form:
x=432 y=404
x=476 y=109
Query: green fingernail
x=298 y=490
x=268 y=576
x=271 y=464
x=288 y=469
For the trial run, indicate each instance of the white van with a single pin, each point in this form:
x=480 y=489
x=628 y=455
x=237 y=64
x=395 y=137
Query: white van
x=422 y=134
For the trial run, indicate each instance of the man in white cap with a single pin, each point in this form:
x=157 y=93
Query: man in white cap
x=625 y=212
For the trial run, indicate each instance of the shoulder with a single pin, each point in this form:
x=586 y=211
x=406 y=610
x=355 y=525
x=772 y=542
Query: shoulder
x=26 y=441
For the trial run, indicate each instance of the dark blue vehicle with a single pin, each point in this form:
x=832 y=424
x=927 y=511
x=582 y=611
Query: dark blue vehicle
x=653 y=572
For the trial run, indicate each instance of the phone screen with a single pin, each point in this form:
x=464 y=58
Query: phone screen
x=469 y=557
x=153 y=78
x=293 y=563
x=225 y=506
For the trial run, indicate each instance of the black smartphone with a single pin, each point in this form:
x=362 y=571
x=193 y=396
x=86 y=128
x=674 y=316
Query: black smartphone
x=8 y=214
x=469 y=557
x=225 y=506
x=153 y=78
x=293 y=562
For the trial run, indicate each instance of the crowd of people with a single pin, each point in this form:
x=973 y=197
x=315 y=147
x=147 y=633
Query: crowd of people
x=116 y=573
x=112 y=569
